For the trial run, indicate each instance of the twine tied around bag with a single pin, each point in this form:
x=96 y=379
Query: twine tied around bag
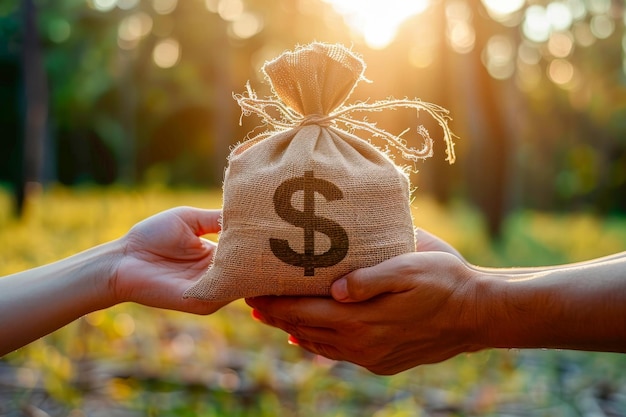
x=291 y=88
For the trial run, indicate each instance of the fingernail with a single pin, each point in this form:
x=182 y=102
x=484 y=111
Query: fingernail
x=257 y=315
x=339 y=289
x=293 y=341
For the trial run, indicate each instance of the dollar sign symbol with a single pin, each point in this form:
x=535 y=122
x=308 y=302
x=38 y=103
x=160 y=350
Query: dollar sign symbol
x=307 y=220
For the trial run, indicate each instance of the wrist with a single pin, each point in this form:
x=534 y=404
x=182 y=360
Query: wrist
x=525 y=310
x=478 y=298
x=496 y=322
x=102 y=270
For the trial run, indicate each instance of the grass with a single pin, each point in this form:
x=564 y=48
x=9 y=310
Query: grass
x=136 y=361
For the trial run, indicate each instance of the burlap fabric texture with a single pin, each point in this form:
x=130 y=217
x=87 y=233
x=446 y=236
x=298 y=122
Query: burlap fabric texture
x=306 y=202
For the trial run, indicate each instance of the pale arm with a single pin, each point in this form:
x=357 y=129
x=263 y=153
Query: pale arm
x=153 y=264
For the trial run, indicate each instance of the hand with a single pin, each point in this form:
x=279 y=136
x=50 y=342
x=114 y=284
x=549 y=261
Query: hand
x=413 y=309
x=162 y=256
x=427 y=242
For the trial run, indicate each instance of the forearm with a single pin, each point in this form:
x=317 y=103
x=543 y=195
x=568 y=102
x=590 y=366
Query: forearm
x=36 y=302
x=536 y=269
x=580 y=306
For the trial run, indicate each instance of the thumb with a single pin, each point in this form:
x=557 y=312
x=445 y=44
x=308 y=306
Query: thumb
x=390 y=276
x=202 y=221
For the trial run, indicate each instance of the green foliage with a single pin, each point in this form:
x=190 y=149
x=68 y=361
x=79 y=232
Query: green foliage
x=131 y=360
x=540 y=118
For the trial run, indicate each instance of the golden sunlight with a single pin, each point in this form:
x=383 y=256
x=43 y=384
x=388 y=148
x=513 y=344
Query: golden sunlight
x=377 y=21
x=499 y=9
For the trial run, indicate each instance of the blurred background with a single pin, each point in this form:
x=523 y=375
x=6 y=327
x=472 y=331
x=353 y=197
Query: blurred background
x=111 y=110
x=134 y=92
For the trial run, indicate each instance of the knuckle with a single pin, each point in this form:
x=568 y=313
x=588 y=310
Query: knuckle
x=355 y=287
x=328 y=351
x=293 y=318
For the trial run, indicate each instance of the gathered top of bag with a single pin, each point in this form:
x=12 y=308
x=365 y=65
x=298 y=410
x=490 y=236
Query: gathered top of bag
x=312 y=84
x=316 y=79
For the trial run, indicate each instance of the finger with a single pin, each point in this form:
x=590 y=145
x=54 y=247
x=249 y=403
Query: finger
x=426 y=241
x=322 y=349
x=297 y=333
x=169 y=294
x=312 y=334
x=201 y=307
x=202 y=221
x=291 y=312
x=209 y=245
x=390 y=276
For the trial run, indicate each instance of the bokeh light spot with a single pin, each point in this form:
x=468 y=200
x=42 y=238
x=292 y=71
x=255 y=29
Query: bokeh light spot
x=536 y=26
x=230 y=10
x=462 y=37
x=498 y=57
x=559 y=16
x=104 y=5
x=59 y=30
x=460 y=32
x=577 y=9
x=212 y=5
x=124 y=324
x=164 y=6
x=602 y=26
x=166 y=53
x=127 y=4
x=583 y=35
x=135 y=27
x=528 y=53
x=598 y=7
x=560 y=44
x=561 y=71
x=246 y=25
x=182 y=346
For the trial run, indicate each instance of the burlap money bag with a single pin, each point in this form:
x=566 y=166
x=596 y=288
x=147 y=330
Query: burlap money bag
x=307 y=202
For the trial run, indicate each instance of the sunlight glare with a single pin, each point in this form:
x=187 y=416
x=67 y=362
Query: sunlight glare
x=501 y=9
x=377 y=21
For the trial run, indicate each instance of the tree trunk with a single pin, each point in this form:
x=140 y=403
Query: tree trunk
x=35 y=108
x=489 y=155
